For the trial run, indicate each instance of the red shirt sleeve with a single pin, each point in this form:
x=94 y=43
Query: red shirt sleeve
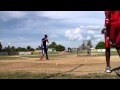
x=107 y=12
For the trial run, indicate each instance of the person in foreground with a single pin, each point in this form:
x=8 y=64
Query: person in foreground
x=112 y=35
x=44 y=48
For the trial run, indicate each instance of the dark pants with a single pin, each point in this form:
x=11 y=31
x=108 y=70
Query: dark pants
x=45 y=49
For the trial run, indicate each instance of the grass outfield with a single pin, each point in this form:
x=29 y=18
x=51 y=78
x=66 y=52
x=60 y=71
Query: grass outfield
x=28 y=75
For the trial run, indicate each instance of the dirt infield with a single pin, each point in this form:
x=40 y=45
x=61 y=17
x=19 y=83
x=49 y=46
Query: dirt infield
x=70 y=64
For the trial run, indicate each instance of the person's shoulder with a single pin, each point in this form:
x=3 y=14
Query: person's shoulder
x=107 y=12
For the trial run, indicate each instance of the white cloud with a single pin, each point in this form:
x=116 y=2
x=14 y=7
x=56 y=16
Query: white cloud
x=84 y=33
x=91 y=32
x=74 y=35
x=89 y=37
x=9 y=43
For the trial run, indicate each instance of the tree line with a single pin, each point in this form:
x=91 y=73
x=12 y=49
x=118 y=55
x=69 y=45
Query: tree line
x=13 y=49
x=58 y=47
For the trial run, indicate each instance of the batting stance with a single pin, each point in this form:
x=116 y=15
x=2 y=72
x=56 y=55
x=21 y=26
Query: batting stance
x=112 y=35
x=44 y=48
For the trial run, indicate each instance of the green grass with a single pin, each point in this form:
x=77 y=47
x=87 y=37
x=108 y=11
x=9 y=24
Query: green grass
x=28 y=75
x=99 y=76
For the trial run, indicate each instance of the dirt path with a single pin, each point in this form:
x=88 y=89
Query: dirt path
x=70 y=64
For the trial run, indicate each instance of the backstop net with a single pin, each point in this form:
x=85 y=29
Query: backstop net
x=84 y=49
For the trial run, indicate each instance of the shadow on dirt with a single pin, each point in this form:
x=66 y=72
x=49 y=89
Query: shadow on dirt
x=117 y=70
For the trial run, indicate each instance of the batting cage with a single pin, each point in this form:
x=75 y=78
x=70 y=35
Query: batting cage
x=84 y=49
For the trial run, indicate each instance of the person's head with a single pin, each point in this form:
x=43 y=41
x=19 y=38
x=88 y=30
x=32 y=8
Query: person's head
x=46 y=36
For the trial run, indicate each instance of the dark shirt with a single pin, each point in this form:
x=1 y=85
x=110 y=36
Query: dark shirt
x=44 y=42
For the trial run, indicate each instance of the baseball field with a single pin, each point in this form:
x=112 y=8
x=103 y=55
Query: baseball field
x=60 y=66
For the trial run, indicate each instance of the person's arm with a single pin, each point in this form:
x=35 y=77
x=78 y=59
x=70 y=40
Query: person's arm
x=46 y=39
x=107 y=17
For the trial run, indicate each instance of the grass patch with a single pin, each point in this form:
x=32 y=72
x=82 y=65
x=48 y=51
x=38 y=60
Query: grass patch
x=28 y=75
x=99 y=76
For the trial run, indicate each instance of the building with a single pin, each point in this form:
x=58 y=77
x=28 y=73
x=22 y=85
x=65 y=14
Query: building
x=51 y=50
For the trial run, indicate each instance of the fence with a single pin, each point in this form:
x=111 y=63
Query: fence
x=3 y=53
x=15 y=53
x=25 y=53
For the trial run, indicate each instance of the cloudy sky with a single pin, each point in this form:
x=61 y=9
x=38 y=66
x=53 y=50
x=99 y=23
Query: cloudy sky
x=68 y=28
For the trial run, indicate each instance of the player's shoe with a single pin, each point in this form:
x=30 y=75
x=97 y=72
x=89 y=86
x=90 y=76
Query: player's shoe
x=47 y=59
x=108 y=70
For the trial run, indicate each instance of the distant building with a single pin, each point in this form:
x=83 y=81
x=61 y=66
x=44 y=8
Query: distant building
x=73 y=49
x=51 y=50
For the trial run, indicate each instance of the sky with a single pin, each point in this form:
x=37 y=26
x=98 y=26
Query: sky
x=68 y=28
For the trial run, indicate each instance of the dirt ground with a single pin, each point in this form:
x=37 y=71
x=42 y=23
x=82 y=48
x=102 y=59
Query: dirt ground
x=68 y=65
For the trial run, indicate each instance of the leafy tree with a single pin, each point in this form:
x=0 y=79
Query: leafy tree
x=32 y=49
x=60 y=48
x=23 y=49
x=8 y=49
x=57 y=47
x=13 y=48
x=100 y=45
x=37 y=49
x=19 y=49
x=28 y=48
x=4 y=49
x=52 y=45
